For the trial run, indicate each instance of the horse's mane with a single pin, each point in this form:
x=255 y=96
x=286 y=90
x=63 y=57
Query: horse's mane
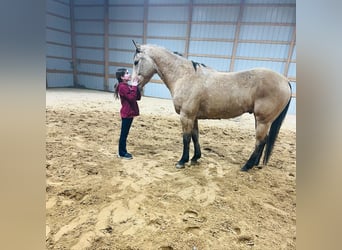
x=194 y=64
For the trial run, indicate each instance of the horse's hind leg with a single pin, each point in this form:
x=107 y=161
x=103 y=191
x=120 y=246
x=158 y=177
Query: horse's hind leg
x=261 y=135
x=254 y=159
x=197 y=148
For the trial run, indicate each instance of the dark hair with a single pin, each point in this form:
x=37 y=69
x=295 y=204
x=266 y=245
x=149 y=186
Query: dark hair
x=119 y=73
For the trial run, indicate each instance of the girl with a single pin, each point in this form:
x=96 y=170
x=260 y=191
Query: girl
x=129 y=94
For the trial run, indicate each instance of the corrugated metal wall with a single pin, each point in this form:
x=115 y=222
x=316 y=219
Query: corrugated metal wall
x=58 y=48
x=87 y=40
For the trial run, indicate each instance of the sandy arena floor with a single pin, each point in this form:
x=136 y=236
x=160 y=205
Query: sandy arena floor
x=96 y=201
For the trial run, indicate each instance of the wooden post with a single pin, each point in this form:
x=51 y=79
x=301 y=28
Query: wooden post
x=73 y=45
x=236 y=38
x=106 y=42
x=289 y=55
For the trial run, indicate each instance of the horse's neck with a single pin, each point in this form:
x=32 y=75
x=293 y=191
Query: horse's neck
x=166 y=68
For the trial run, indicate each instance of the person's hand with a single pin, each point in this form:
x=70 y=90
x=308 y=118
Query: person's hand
x=134 y=83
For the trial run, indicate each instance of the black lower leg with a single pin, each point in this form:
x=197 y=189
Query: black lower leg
x=254 y=159
x=197 y=148
x=259 y=152
x=185 y=156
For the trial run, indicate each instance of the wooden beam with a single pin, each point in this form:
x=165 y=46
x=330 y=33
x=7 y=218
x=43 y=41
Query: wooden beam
x=144 y=37
x=188 y=30
x=106 y=42
x=73 y=44
x=61 y=71
x=236 y=37
x=289 y=55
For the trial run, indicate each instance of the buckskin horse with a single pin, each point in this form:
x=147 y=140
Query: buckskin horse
x=200 y=92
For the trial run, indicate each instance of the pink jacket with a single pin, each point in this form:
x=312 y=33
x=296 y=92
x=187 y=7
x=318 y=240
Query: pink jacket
x=129 y=96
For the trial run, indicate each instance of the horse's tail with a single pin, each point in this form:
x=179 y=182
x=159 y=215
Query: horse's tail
x=274 y=130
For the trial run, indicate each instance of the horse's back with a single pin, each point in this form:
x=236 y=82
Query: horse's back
x=265 y=82
x=229 y=95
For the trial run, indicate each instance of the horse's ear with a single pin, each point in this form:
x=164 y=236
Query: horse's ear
x=137 y=46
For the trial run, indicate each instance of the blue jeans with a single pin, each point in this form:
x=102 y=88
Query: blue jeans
x=125 y=127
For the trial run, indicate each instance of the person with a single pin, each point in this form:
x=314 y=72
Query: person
x=129 y=94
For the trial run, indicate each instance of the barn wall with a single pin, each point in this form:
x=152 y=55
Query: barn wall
x=58 y=47
x=87 y=40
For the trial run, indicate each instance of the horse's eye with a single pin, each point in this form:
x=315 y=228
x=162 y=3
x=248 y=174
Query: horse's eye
x=136 y=62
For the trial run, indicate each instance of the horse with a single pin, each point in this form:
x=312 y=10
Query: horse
x=201 y=92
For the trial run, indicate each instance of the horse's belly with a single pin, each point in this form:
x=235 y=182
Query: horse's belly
x=220 y=113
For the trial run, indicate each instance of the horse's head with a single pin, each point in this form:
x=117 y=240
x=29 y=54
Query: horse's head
x=143 y=66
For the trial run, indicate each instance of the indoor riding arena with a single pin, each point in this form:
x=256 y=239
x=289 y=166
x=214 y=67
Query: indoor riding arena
x=95 y=200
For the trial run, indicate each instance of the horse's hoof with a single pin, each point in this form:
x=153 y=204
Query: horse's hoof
x=245 y=169
x=180 y=166
x=194 y=162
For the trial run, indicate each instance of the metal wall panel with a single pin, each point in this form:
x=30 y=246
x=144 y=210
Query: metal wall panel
x=173 y=45
x=92 y=27
x=270 y=1
x=217 y=14
x=216 y=2
x=57 y=50
x=121 y=57
x=211 y=47
x=58 y=22
x=58 y=47
x=121 y=43
x=90 y=68
x=88 y=2
x=126 y=13
x=292 y=108
x=89 y=12
x=294 y=54
x=169 y=1
x=292 y=70
x=168 y=13
x=157 y=90
x=270 y=33
x=262 y=50
x=248 y=64
x=221 y=31
x=58 y=37
x=60 y=80
x=126 y=29
x=156 y=77
x=58 y=64
x=277 y=14
x=293 y=87
x=91 y=82
x=89 y=41
x=111 y=83
x=166 y=30
x=125 y=2
x=90 y=54
x=58 y=8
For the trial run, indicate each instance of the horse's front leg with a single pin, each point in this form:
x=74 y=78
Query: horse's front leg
x=185 y=156
x=187 y=125
x=197 y=148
